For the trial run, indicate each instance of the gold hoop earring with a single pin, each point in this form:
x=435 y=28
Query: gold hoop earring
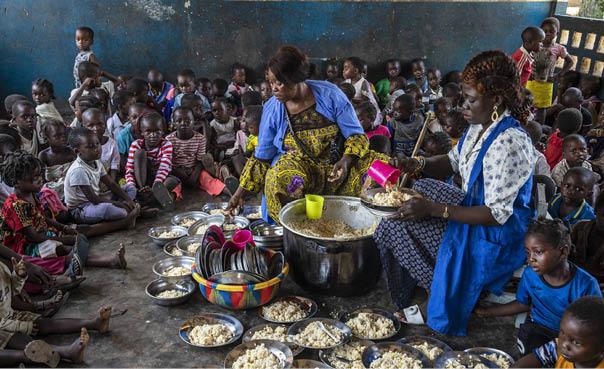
x=495 y=114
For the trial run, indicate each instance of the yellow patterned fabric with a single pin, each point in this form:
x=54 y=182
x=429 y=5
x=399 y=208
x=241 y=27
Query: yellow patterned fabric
x=295 y=174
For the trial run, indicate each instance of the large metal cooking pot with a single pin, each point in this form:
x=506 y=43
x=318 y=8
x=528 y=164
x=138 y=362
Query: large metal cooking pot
x=331 y=266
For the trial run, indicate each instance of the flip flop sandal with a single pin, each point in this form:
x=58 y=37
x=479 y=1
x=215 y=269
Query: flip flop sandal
x=75 y=268
x=162 y=195
x=42 y=353
x=232 y=184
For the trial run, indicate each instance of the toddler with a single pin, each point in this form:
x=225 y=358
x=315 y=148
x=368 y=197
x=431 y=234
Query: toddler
x=206 y=92
x=574 y=153
x=588 y=239
x=366 y=113
x=82 y=104
x=223 y=127
x=83 y=195
x=535 y=132
x=58 y=157
x=266 y=92
x=127 y=135
x=455 y=125
x=551 y=27
x=452 y=92
x=435 y=91
x=441 y=109
x=159 y=89
x=569 y=121
x=25 y=121
x=332 y=72
x=532 y=41
x=90 y=74
x=121 y=102
x=84 y=38
x=547 y=287
x=353 y=74
x=238 y=85
x=150 y=162
x=580 y=343
x=571 y=205
x=418 y=69
x=92 y=119
x=435 y=144
x=393 y=70
x=43 y=94
x=185 y=84
x=189 y=158
x=404 y=126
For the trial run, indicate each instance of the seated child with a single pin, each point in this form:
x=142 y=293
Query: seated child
x=83 y=192
x=200 y=123
x=104 y=99
x=569 y=121
x=404 y=126
x=532 y=41
x=82 y=104
x=246 y=143
x=418 y=69
x=238 y=85
x=441 y=108
x=547 y=287
x=348 y=90
x=252 y=116
x=266 y=92
x=189 y=157
x=574 y=154
x=140 y=88
x=353 y=73
x=219 y=88
x=127 y=135
x=206 y=92
x=121 y=82
x=580 y=343
x=573 y=98
x=366 y=113
x=158 y=87
x=121 y=102
x=90 y=74
x=535 y=132
x=43 y=94
x=435 y=91
x=452 y=92
x=92 y=119
x=10 y=100
x=588 y=239
x=223 y=127
x=185 y=82
x=58 y=157
x=455 y=125
x=590 y=87
x=150 y=162
x=435 y=144
x=250 y=98
x=7 y=144
x=25 y=121
x=393 y=70
x=332 y=72
x=571 y=205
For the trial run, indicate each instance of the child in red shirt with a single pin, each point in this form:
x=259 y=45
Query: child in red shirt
x=569 y=121
x=532 y=41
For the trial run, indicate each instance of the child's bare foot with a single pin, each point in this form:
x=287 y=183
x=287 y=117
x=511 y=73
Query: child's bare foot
x=103 y=319
x=148 y=212
x=75 y=351
x=131 y=218
x=120 y=258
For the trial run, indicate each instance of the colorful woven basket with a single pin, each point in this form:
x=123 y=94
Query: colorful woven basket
x=241 y=297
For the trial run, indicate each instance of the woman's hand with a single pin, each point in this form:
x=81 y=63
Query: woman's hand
x=19 y=267
x=417 y=208
x=340 y=170
x=405 y=164
x=236 y=200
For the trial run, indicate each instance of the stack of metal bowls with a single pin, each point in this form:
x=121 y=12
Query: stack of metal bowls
x=267 y=235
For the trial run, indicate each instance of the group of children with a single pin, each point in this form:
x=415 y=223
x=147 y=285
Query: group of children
x=134 y=143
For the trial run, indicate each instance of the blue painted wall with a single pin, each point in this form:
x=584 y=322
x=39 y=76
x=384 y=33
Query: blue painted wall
x=37 y=37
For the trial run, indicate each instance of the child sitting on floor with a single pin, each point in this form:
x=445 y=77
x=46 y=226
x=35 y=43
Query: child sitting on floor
x=43 y=94
x=58 y=157
x=435 y=91
x=590 y=86
x=82 y=104
x=580 y=343
x=571 y=204
x=7 y=145
x=238 y=86
x=150 y=162
x=535 y=131
x=223 y=128
x=547 y=287
x=219 y=88
x=205 y=91
x=569 y=121
x=121 y=102
x=266 y=92
x=574 y=153
x=393 y=70
x=25 y=121
x=404 y=126
x=83 y=192
x=441 y=108
x=588 y=239
x=418 y=69
x=353 y=74
x=366 y=113
x=104 y=99
x=189 y=158
x=455 y=125
x=90 y=74
x=435 y=144
x=127 y=135
x=92 y=119
x=452 y=92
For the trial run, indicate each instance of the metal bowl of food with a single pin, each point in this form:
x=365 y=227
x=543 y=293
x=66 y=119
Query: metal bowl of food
x=194 y=333
x=429 y=346
x=389 y=208
x=166 y=293
x=267 y=235
x=232 y=224
x=188 y=218
x=174 y=269
x=271 y=331
x=165 y=234
x=413 y=356
x=456 y=359
x=281 y=351
x=252 y=212
x=347 y=355
x=332 y=266
x=171 y=250
x=289 y=309
x=201 y=226
x=365 y=324
x=188 y=245
x=500 y=358
x=215 y=208
x=336 y=333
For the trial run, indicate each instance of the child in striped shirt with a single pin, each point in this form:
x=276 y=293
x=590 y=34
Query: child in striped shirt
x=150 y=162
x=190 y=161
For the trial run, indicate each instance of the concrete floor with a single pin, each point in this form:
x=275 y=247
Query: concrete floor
x=147 y=334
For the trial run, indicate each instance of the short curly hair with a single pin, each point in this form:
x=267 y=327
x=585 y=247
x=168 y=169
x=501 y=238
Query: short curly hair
x=493 y=73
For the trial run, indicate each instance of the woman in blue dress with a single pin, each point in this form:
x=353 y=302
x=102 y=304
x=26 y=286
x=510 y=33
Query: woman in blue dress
x=458 y=243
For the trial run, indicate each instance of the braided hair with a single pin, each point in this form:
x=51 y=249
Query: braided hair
x=18 y=166
x=493 y=73
x=46 y=84
x=553 y=232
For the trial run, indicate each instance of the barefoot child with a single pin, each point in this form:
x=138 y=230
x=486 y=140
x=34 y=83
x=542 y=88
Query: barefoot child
x=455 y=125
x=58 y=157
x=574 y=154
x=110 y=156
x=393 y=70
x=150 y=162
x=568 y=121
x=532 y=41
x=25 y=121
x=121 y=102
x=580 y=343
x=223 y=128
x=82 y=188
x=43 y=94
x=571 y=204
x=404 y=126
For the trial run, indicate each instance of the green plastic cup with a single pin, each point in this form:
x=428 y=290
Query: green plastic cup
x=314 y=206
